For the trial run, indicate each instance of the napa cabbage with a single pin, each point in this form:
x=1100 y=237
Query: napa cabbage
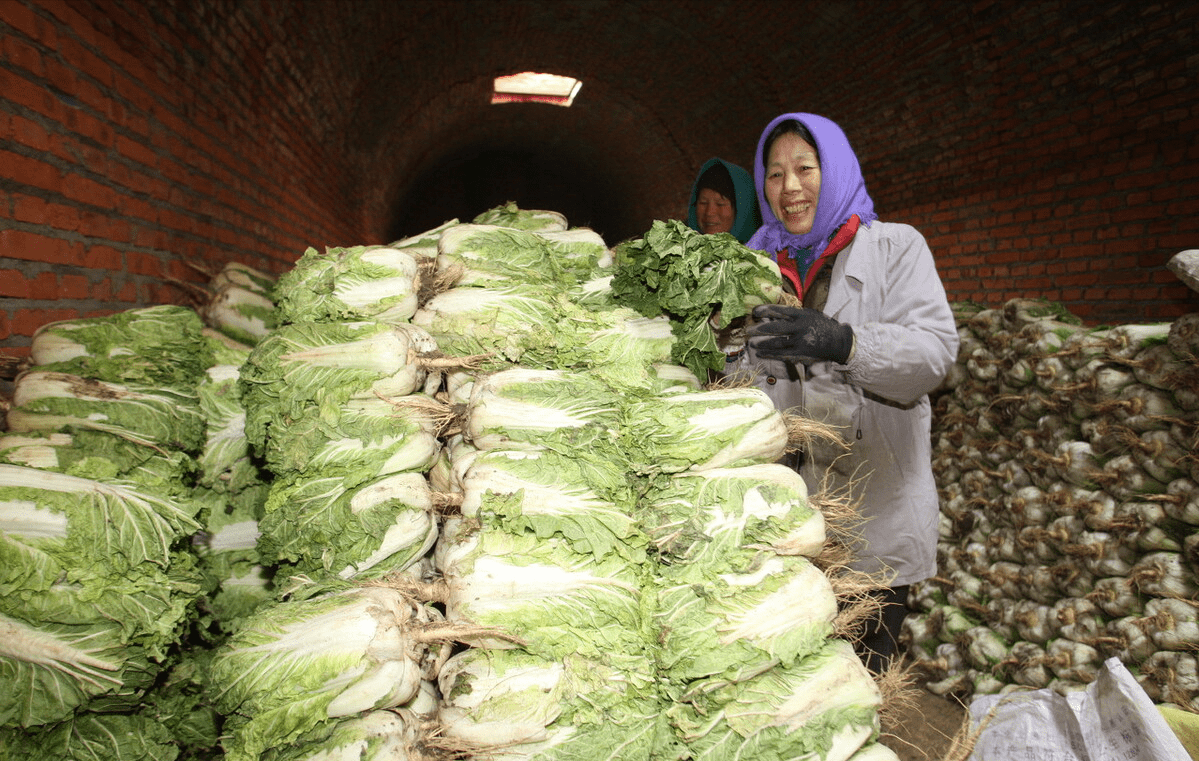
x=241 y=314
x=95 y=588
x=157 y=416
x=510 y=704
x=542 y=594
x=513 y=323
x=301 y=664
x=348 y=284
x=225 y=461
x=490 y=255
x=313 y=368
x=153 y=346
x=423 y=245
x=527 y=325
x=706 y=429
x=329 y=524
x=587 y=501
x=737 y=624
x=92 y=735
x=371 y=436
x=555 y=409
x=79 y=521
x=99 y=456
x=823 y=707
x=396 y=734
x=511 y=215
x=714 y=519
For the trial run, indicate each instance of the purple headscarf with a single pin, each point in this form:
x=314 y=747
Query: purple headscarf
x=842 y=191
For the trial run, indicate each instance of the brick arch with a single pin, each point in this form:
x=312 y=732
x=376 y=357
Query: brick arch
x=598 y=156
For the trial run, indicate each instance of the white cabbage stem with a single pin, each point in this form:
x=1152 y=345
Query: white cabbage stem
x=1174 y=623
x=1117 y=595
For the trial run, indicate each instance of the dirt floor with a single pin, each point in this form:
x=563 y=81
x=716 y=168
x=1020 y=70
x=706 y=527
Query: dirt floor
x=925 y=730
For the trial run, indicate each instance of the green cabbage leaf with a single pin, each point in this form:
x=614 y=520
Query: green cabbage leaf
x=693 y=278
x=552 y=600
x=296 y=665
x=349 y=284
x=718 y=519
x=330 y=524
x=824 y=707
x=585 y=500
x=737 y=624
x=510 y=704
x=669 y=433
x=154 y=346
x=511 y=215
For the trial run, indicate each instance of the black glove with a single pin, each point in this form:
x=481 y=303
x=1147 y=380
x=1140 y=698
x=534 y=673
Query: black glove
x=799 y=335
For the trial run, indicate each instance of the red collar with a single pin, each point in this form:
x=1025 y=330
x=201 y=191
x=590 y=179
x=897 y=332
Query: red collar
x=840 y=240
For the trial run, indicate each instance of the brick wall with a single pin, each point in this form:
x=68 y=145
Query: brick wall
x=1047 y=149
x=1044 y=147
x=130 y=162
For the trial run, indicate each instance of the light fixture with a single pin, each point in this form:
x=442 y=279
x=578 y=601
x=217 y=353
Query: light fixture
x=532 y=87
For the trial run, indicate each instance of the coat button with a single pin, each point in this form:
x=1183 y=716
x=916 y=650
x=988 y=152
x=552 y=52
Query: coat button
x=771 y=380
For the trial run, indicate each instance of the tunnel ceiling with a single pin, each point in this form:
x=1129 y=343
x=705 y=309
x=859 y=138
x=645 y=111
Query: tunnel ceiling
x=666 y=85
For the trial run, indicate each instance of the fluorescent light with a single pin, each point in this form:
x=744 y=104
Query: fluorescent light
x=532 y=87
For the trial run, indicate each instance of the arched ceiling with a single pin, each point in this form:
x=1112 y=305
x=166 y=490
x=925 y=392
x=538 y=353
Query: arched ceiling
x=666 y=85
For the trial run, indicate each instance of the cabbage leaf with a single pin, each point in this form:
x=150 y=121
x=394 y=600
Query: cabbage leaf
x=153 y=346
x=707 y=429
x=553 y=600
x=510 y=704
x=824 y=707
x=349 y=284
x=693 y=278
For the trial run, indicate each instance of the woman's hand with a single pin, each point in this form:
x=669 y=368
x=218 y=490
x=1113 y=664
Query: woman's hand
x=799 y=335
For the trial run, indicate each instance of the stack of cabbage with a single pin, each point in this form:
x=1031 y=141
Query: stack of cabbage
x=333 y=398
x=98 y=508
x=640 y=560
x=1065 y=458
x=240 y=303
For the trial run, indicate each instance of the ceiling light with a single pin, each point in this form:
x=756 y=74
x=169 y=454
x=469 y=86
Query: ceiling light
x=532 y=87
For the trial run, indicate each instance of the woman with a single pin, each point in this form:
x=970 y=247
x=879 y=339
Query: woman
x=874 y=335
x=723 y=200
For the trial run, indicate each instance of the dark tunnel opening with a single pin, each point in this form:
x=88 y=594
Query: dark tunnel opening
x=469 y=185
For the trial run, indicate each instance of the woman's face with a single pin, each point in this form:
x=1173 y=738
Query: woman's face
x=793 y=182
x=714 y=212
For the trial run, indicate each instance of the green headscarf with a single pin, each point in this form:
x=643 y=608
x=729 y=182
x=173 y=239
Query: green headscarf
x=745 y=199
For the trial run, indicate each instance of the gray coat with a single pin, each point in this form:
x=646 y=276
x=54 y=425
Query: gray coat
x=885 y=285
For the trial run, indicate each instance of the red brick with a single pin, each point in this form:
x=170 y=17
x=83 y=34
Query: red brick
x=21 y=18
x=62 y=217
x=18 y=244
x=73 y=287
x=30 y=171
x=1176 y=243
x=88 y=191
x=136 y=151
x=29 y=209
x=29 y=133
x=103 y=258
x=88 y=63
x=22 y=55
x=44 y=287
x=142 y=264
x=14 y=285
x=25 y=322
x=128 y=293
x=101 y=290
